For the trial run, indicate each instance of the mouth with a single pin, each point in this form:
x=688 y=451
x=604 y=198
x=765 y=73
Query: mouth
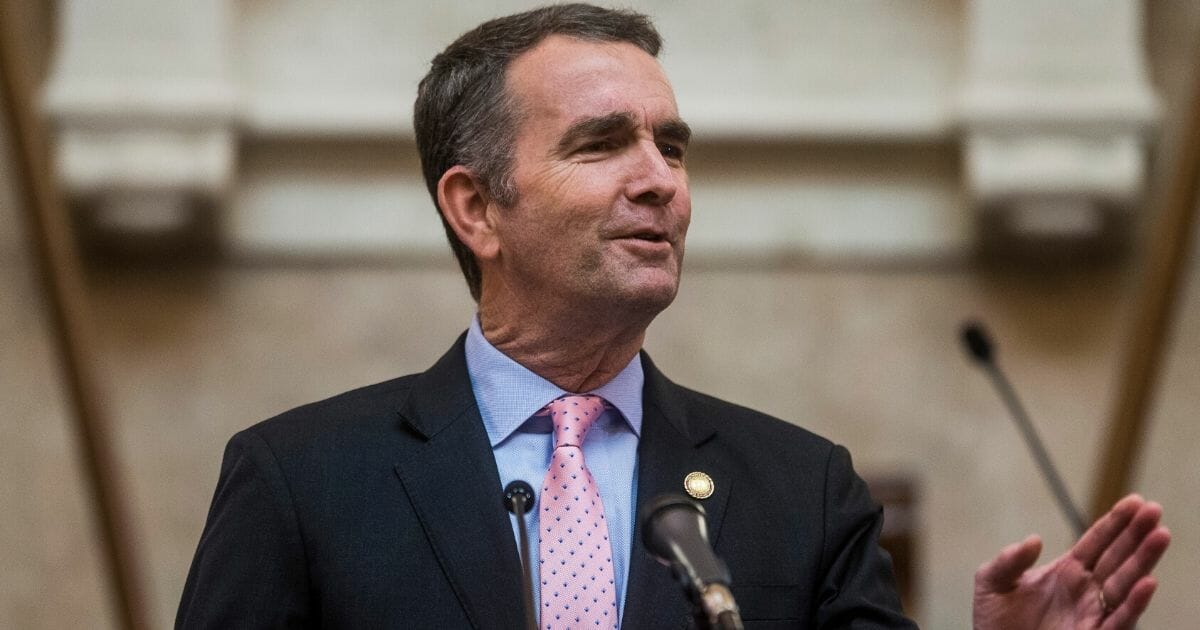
x=644 y=234
x=650 y=237
x=647 y=244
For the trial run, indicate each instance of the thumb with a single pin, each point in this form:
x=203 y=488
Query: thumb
x=1000 y=575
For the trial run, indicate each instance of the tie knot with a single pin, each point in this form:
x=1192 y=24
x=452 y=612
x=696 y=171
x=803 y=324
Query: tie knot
x=572 y=417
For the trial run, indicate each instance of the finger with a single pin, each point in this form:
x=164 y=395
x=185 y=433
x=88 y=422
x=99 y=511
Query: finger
x=1000 y=575
x=1118 y=587
x=1126 y=615
x=1102 y=533
x=1129 y=540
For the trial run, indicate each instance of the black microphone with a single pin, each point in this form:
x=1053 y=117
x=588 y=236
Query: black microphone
x=519 y=499
x=979 y=345
x=674 y=532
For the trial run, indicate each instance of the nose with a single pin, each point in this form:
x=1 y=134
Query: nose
x=653 y=180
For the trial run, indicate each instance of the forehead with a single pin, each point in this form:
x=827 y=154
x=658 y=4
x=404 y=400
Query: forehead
x=564 y=79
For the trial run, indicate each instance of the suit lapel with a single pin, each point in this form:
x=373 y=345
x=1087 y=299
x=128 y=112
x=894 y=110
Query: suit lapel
x=450 y=478
x=672 y=445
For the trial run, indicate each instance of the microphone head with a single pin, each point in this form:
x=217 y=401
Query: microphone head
x=665 y=517
x=977 y=342
x=675 y=532
x=518 y=491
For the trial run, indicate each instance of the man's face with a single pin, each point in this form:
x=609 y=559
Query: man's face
x=603 y=204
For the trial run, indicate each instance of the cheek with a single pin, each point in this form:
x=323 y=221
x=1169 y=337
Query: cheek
x=682 y=206
x=572 y=196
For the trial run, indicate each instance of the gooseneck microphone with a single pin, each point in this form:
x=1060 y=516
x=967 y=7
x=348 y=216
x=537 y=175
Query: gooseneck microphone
x=979 y=346
x=519 y=499
x=675 y=533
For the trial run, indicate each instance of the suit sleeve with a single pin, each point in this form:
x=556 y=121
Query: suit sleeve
x=858 y=590
x=250 y=569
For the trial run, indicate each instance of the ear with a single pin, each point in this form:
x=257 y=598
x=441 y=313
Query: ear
x=465 y=203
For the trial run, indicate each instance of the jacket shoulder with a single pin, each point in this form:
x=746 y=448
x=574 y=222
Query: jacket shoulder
x=738 y=425
x=743 y=423
x=364 y=410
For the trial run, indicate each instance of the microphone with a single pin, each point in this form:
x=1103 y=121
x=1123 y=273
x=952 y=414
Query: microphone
x=675 y=533
x=519 y=499
x=979 y=346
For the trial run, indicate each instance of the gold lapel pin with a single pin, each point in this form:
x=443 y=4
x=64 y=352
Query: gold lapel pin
x=698 y=485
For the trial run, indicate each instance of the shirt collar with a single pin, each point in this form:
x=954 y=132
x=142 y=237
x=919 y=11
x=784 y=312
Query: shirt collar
x=508 y=393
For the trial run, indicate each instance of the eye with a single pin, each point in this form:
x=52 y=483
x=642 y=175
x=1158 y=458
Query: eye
x=671 y=151
x=598 y=146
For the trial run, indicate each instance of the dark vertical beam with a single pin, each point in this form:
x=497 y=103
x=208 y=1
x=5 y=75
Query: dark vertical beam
x=1151 y=324
x=58 y=264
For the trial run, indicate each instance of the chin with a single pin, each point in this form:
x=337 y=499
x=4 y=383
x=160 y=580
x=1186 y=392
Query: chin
x=648 y=298
x=634 y=289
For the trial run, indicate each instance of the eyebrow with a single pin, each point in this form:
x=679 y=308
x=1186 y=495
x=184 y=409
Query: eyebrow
x=593 y=127
x=675 y=129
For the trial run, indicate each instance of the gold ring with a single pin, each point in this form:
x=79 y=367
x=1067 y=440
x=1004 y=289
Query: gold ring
x=1103 y=602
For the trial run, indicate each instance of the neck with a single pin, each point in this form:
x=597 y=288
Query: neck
x=576 y=351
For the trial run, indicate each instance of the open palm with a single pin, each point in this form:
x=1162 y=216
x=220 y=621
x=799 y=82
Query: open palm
x=1103 y=582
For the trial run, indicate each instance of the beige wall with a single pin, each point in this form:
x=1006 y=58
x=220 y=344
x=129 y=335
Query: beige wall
x=864 y=354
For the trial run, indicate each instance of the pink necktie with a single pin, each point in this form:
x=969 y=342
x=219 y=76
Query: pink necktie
x=576 y=558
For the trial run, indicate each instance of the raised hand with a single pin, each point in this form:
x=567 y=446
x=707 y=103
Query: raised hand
x=1103 y=582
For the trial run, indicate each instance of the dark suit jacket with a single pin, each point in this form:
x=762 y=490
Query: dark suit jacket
x=380 y=508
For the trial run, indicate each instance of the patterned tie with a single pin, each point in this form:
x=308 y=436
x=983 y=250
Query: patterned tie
x=576 y=558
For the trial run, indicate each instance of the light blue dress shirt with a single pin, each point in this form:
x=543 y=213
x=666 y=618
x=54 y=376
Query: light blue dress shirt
x=508 y=395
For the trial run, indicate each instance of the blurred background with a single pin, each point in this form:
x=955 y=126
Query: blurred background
x=242 y=181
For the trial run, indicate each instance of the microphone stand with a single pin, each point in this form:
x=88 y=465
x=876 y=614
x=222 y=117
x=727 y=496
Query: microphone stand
x=979 y=346
x=715 y=609
x=518 y=498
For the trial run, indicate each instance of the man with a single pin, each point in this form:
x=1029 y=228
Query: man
x=555 y=153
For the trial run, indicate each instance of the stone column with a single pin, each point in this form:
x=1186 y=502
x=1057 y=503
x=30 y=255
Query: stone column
x=141 y=103
x=1056 y=112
